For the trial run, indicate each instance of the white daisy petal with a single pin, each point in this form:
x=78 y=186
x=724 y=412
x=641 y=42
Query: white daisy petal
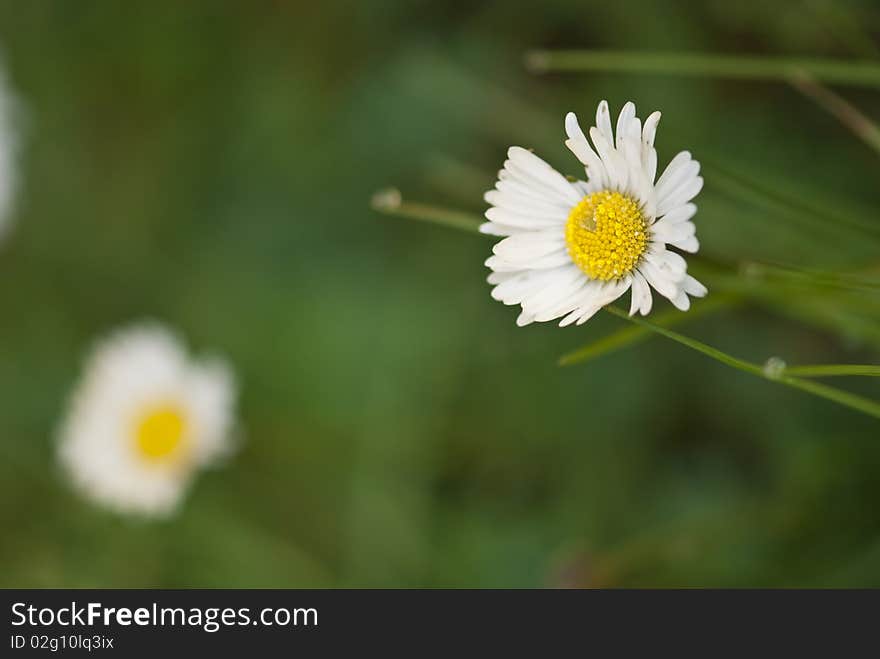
x=693 y=287
x=673 y=232
x=530 y=219
x=515 y=203
x=551 y=260
x=649 y=154
x=530 y=164
x=603 y=121
x=647 y=298
x=524 y=319
x=627 y=114
x=680 y=214
x=680 y=171
x=498 y=277
x=560 y=304
x=691 y=244
x=680 y=160
x=680 y=196
x=669 y=263
x=577 y=143
x=681 y=301
x=659 y=280
x=496 y=229
x=641 y=295
x=526 y=283
x=614 y=163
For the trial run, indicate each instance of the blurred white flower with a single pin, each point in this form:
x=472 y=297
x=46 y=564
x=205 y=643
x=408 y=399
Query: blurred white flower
x=9 y=140
x=143 y=419
x=573 y=247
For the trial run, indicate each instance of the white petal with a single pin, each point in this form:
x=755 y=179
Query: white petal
x=671 y=264
x=529 y=205
x=680 y=175
x=551 y=260
x=615 y=164
x=679 y=196
x=691 y=244
x=530 y=164
x=693 y=287
x=649 y=154
x=641 y=295
x=603 y=122
x=524 y=319
x=526 y=283
x=604 y=293
x=680 y=160
x=496 y=229
x=498 y=277
x=529 y=245
x=681 y=301
x=627 y=114
x=530 y=220
x=659 y=280
x=647 y=298
x=669 y=233
x=680 y=214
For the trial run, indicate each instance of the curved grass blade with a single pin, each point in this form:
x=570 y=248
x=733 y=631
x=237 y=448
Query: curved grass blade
x=845 y=112
x=628 y=336
x=864 y=73
x=390 y=202
x=833 y=370
x=790 y=207
x=779 y=375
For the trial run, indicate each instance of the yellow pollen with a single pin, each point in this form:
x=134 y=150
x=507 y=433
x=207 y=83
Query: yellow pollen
x=161 y=433
x=606 y=235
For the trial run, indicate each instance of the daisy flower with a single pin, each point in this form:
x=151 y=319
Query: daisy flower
x=143 y=419
x=572 y=247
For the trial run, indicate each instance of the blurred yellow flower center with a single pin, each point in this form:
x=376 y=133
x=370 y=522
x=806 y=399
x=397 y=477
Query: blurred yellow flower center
x=606 y=235
x=161 y=432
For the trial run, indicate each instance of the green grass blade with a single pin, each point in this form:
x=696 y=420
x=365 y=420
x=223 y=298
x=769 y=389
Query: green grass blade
x=795 y=210
x=832 y=370
x=772 y=374
x=864 y=73
x=628 y=336
x=390 y=202
x=845 y=112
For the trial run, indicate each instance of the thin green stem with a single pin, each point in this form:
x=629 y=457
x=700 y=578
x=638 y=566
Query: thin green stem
x=631 y=335
x=390 y=202
x=774 y=375
x=863 y=73
x=794 y=209
x=845 y=112
x=832 y=370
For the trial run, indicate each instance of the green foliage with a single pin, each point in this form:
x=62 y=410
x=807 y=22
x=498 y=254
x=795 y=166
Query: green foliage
x=211 y=165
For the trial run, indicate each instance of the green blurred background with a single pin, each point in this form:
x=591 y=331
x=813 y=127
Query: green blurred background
x=210 y=164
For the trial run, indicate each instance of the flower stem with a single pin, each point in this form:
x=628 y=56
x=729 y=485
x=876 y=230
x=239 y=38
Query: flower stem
x=781 y=376
x=631 y=335
x=831 y=370
x=863 y=73
x=845 y=112
x=390 y=202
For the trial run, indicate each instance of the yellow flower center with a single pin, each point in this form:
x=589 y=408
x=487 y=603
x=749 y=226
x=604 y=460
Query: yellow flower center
x=606 y=235
x=161 y=432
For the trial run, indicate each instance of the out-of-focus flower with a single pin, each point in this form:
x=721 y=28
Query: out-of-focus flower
x=144 y=419
x=573 y=247
x=9 y=142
